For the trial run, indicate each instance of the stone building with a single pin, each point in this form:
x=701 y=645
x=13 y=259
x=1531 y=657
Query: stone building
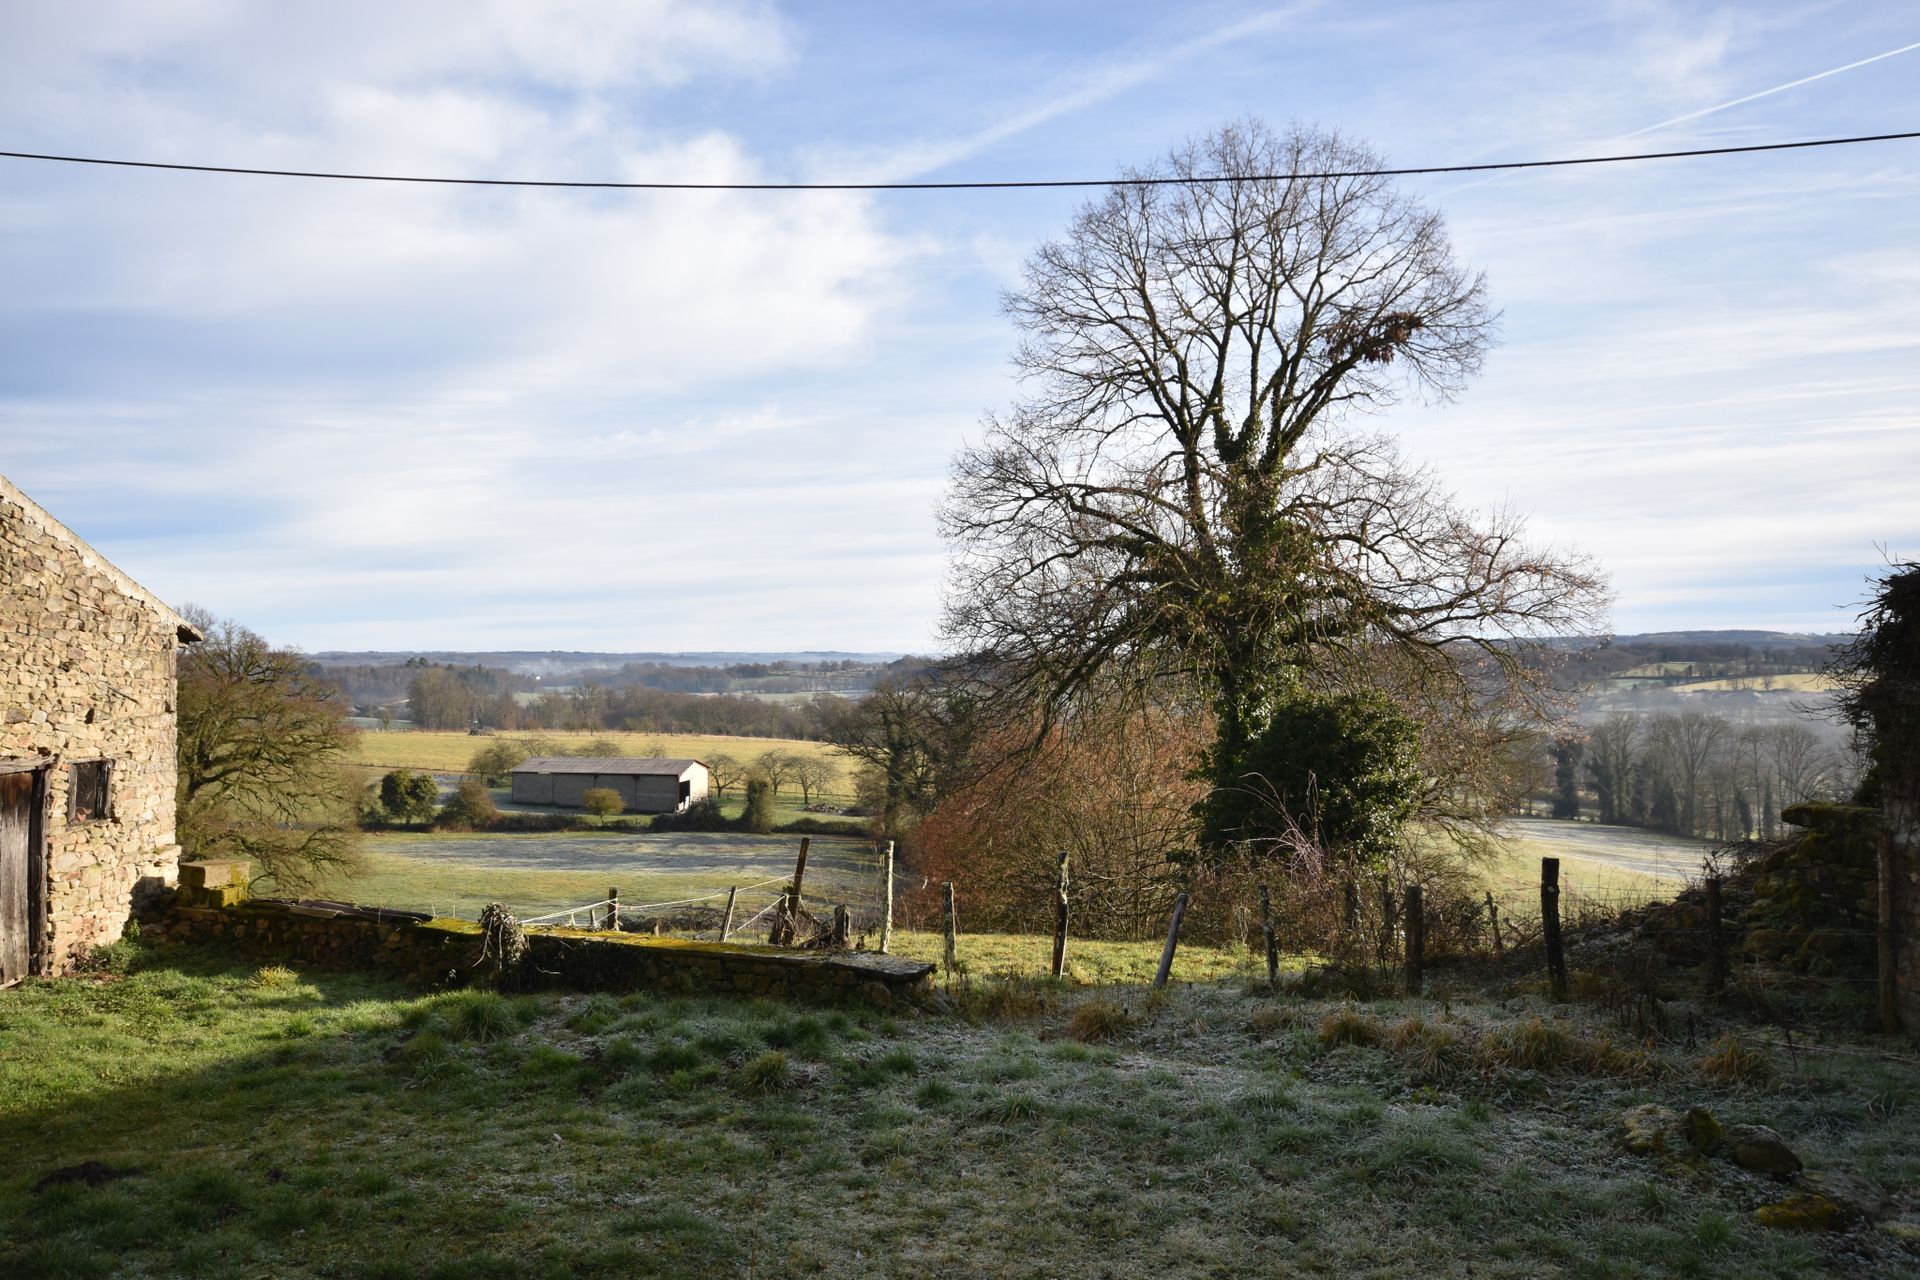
x=87 y=764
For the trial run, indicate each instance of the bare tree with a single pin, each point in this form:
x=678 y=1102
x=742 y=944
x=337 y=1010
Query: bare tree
x=776 y=766
x=1181 y=491
x=724 y=772
x=262 y=743
x=813 y=774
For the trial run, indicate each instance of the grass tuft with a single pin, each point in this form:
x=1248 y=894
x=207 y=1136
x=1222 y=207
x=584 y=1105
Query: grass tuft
x=768 y=1073
x=1099 y=1020
x=1732 y=1060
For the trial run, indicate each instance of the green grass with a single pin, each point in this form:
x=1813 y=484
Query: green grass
x=458 y=874
x=334 y=1125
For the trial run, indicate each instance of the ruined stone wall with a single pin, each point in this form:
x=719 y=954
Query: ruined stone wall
x=1903 y=873
x=441 y=952
x=87 y=673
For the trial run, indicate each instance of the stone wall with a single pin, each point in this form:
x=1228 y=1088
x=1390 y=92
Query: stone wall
x=1816 y=895
x=442 y=952
x=87 y=673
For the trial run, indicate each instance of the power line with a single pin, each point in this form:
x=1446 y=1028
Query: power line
x=1014 y=184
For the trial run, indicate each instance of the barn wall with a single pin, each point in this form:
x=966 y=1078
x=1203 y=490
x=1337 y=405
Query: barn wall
x=532 y=788
x=87 y=672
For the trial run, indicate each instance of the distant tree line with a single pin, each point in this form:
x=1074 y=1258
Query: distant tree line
x=1694 y=773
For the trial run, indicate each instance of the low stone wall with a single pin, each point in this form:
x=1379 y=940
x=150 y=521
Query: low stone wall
x=444 y=952
x=1816 y=896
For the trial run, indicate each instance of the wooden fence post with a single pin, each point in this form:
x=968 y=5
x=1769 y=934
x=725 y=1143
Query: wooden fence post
x=953 y=932
x=886 y=903
x=1493 y=922
x=1387 y=921
x=1173 y=940
x=1416 y=918
x=1273 y=945
x=1060 y=919
x=842 y=927
x=613 y=908
x=1550 y=926
x=1350 y=918
x=1716 y=944
x=726 y=921
x=788 y=917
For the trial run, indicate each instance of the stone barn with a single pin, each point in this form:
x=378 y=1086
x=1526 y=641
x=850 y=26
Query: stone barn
x=87 y=765
x=645 y=785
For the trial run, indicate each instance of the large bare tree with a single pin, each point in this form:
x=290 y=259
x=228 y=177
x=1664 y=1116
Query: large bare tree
x=1182 y=488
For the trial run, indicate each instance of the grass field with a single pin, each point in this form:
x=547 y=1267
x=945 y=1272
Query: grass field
x=251 y=1122
x=1792 y=682
x=451 y=874
x=1616 y=864
x=449 y=751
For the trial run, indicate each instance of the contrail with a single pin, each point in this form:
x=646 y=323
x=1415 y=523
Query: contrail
x=1779 y=88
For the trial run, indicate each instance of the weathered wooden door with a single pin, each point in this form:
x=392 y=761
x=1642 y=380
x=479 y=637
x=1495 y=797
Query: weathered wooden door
x=20 y=873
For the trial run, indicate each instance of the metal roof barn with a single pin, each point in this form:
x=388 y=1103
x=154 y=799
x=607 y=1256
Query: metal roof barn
x=644 y=784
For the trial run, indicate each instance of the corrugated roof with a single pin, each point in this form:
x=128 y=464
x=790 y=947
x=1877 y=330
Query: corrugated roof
x=604 y=764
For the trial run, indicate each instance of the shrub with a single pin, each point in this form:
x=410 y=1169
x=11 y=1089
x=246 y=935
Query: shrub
x=480 y=1015
x=759 y=815
x=407 y=796
x=494 y=764
x=1099 y=1019
x=471 y=808
x=602 y=802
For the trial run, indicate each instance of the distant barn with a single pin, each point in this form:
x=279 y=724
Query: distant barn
x=644 y=785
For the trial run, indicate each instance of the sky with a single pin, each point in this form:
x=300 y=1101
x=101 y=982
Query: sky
x=357 y=416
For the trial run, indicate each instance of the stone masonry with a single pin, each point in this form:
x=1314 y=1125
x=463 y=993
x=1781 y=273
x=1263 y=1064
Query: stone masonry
x=87 y=675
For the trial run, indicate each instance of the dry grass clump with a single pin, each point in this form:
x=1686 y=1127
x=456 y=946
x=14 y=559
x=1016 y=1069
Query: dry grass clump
x=1099 y=1019
x=1003 y=996
x=1266 y=1019
x=273 y=976
x=1537 y=1044
x=1732 y=1060
x=1433 y=1050
x=1348 y=1025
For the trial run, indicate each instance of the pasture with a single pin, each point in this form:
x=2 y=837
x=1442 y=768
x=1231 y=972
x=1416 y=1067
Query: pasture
x=448 y=751
x=247 y=1121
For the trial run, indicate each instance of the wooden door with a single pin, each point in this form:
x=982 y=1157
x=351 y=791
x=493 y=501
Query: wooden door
x=20 y=874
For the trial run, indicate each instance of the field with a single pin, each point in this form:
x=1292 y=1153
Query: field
x=1611 y=863
x=449 y=751
x=533 y=874
x=1792 y=682
x=248 y=1122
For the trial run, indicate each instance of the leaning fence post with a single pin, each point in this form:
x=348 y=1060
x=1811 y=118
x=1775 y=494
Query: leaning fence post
x=1716 y=946
x=726 y=921
x=953 y=930
x=1173 y=940
x=613 y=908
x=1493 y=922
x=886 y=903
x=788 y=918
x=1416 y=919
x=1060 y=919
x=1550 y=926
x=1273 y=945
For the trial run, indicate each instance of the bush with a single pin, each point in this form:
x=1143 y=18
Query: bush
x=702 y=815
x=494 y=764
x=1099 y=1019
x=759 y=815
x=602 y=802
x=471 y=808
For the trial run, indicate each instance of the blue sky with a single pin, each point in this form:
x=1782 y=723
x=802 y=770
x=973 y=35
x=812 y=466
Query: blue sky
x=362 y=417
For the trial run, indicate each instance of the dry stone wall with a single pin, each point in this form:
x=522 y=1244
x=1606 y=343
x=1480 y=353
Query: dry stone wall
x=87 y=673
x=212 y=907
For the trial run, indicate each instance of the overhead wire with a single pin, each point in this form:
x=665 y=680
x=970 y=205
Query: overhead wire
x=1194 y=180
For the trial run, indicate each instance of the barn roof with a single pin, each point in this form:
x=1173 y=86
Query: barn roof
x=605 y=764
